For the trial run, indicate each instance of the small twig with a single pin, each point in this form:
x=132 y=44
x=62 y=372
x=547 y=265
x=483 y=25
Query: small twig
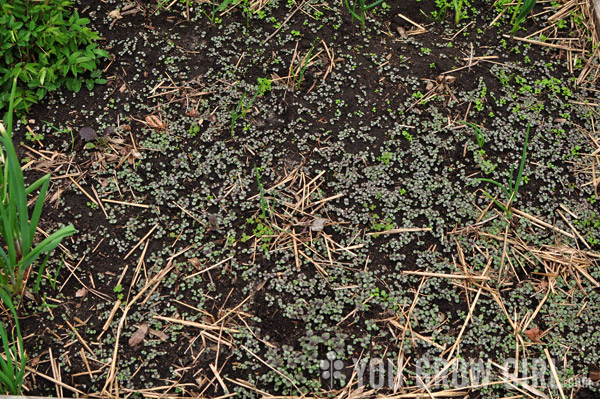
x=284 y=23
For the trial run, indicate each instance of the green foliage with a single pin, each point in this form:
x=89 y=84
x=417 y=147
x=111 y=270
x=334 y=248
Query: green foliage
x=217 y=8
x=381 y=224
x=513 y=185
x=458 y=10
x=242 y=108
x=17 y=227
x=359 y=8
x=478 y=134
x=12 y=364
x=443 y=5
x=525 y=8
x=46 y=45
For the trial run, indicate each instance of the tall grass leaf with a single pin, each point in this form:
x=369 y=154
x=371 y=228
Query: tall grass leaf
x=525 y=9
x=375 y=4
x=12 y=369
x=522 y=165
x=352 y=12
x=17 y=229
x=496 y=184
x=39 y=204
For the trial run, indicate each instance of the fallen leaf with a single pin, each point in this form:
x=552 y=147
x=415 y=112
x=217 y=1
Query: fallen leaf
x=196 y=263
x=139 y=335
x=115 y=14
x=82 y=292
x=109 y=130
x=594 y=373
x=88 y=134
x=213 y=220
x=154 y=122
x=449 y=79
x=318 y=224
x=533 y=334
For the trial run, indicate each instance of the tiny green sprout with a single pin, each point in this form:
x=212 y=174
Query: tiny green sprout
x=478 y=134
x=118 y=289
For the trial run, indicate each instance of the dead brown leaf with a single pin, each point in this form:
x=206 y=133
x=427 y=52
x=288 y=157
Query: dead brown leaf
x=139 y=335
x=154 y=122
x=401 y=32
x=196 y=263
x=594 y=373
x=533 y=334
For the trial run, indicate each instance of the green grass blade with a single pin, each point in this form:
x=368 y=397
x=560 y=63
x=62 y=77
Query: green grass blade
x=494 y=182
x=526 y=8
x=372 y=5
x=352 y=11
x=47 y=245
x=39 y=204
x=12 y=376
x=504 y=209
x=478 y=134
x=521 y=166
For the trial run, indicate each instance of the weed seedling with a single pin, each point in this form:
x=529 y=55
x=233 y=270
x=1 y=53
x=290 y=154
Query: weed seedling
x=359 y=8
x=513 y=187
x=242 y=108
x=478 y=134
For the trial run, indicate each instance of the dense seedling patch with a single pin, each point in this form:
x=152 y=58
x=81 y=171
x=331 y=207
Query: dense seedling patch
x=268 y=185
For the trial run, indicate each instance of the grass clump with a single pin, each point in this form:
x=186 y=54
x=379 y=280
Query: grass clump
x=46 y=45
x=524 y=8
x=12 y=364
x=17 y=226
x=359 y=8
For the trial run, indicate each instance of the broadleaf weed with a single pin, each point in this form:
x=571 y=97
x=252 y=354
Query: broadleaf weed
x=46 y=45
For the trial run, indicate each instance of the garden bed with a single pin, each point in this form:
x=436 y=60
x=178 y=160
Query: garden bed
x=268 y=200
